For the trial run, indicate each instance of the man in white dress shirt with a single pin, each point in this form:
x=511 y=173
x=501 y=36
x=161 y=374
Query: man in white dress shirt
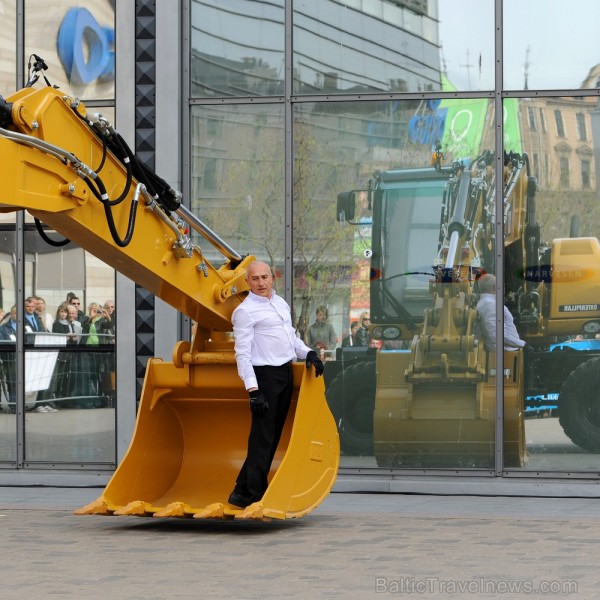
x=486 y=307
x=265 y=346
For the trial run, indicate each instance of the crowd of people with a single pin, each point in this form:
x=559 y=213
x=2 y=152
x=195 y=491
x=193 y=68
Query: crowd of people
x=323 y=339
x=77 y=375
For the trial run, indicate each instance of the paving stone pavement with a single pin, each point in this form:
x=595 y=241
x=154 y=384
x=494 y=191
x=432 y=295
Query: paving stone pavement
x=353 y=546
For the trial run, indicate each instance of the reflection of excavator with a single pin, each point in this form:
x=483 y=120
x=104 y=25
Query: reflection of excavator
x=432 y=399
x=191 y=432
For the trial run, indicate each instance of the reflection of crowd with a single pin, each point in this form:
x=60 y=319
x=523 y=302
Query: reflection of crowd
x=358 y=334
x=80 y=378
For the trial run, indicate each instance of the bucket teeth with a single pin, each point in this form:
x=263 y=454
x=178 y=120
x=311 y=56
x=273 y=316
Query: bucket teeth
x=175 y=509
x=254 y=511
x=135 y=508
x=97 y=507
x=218 y=510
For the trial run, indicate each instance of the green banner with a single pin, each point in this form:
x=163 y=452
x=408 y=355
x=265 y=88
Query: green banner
x=465 y=120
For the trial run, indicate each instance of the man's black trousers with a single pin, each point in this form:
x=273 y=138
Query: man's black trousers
x=277 y=384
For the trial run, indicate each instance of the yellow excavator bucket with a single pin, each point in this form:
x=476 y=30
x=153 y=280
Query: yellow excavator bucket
x=190 y=441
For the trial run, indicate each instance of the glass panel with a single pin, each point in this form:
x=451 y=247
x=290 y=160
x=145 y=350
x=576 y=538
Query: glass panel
x=8 y=423
x=550 y=46
x=8 y=312
x=76 y=40
x=8 y=47
x=382 y=252
x=237 y=179
x=552 y=291
x=69 y=358
x=384 y=46
x=467 y=43
x=237 y=48
x=69 y=399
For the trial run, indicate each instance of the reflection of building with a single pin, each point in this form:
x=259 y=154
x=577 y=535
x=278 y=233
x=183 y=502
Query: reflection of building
x=387 y=46
x=560 y=136
x=557 y=135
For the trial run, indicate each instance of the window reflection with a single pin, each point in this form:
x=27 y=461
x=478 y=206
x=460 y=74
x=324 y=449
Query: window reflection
x=376 y=256
x=379 y=255
x=354 y=46
x=237 y=48
x=562 y=424
x=237 y=158
x=8 y=313
x=68 y=392
x=368 y=46
x=69 y=402
x=547 y=46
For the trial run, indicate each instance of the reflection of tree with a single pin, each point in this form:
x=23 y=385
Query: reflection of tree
x=322 y=247
x=555 y=209
x=253 y=188
x=247 y=205
x=260 y=220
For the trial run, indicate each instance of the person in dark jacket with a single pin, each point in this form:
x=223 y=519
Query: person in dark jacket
x=362 y=334
x=350 y=339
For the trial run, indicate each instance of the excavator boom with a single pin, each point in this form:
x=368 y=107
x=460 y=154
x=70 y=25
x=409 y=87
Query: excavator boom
x=51 y=184
x=191 y=431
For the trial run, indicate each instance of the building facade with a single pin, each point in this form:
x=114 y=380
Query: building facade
x=263 y=114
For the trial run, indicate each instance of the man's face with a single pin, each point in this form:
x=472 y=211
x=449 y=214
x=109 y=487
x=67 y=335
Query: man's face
x=29 y=307
x=76 y=303
x=260 y=279
x=71 y=312
x=40 y=306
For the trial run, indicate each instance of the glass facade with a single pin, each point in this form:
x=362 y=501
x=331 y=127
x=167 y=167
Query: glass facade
x=549 y=46
x=555 y=301
x=359 y=47
x=58 y=325
x=393 y=191
x=382 y=156
x=237 y=48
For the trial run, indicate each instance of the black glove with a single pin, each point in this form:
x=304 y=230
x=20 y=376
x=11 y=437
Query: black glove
x=258 y=403
x=313 y=359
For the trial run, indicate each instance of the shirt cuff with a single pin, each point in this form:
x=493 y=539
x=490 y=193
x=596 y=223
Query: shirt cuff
x=250 y=383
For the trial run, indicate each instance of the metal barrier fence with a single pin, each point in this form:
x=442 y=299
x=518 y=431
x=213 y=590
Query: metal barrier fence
x=59 y=374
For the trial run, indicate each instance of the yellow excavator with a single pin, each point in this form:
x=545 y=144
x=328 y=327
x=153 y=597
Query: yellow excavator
x=193 y=421
x=427 y=397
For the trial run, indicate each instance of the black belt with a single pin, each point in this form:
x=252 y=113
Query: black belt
x=284 y=365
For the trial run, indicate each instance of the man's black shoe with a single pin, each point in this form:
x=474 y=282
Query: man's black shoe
x=238 y=500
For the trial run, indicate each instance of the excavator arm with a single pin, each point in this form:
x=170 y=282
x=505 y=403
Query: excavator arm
x=74 y=172
x=138 y=235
